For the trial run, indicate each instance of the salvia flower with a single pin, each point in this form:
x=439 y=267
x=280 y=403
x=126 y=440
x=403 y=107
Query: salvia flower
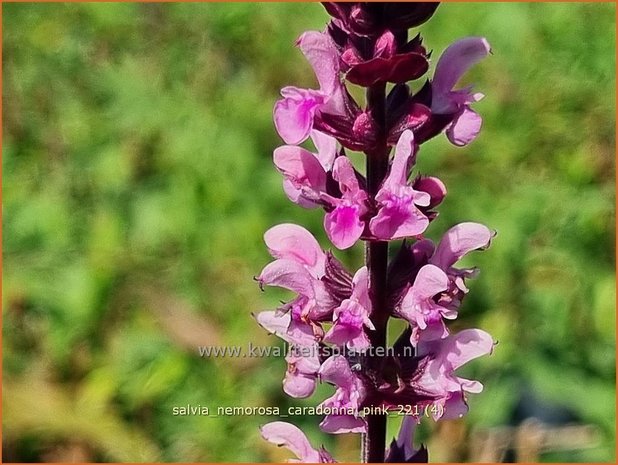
x=294 y=113
x=335 y=317
x=305 y=183
x=305 y=172
x=299 y=267
x=420 y=308
x=399 y=215
x=446 y=356
x=452 y=65
x=352 y=316
x=343 y=224
x=301 y=377
x=349 y=395
x=456 y=243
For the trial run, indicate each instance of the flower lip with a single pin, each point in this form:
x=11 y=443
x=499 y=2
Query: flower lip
x=287 y=435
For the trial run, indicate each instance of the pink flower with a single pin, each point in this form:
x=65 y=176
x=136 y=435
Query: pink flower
x=299 y=267
x=305 y=172
x=352 y=316
x=301 y=376
x=438 y=287
x=294 y=114
x=349 y=395
x=439 y=378
x=289 y=436
x=457 y=242
x=419 y=306
x=398 y=215
x=455 y=61
x=305 y=183
x=343 y=223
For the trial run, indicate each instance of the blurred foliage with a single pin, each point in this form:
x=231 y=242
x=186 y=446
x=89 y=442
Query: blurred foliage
x=138 y=183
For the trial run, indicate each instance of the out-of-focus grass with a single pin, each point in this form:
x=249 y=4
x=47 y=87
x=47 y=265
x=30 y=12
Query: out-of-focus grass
x=137 y=184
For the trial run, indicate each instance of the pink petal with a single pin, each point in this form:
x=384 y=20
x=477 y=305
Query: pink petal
x=456 y=60
x=466 y=345
x=287 y=435
x=303 y=365
x=305 y=359
x=360 y=342
x=386 y=45
x=343 y=172
x=472 y=386
x=341 y=335
x=298 y=385
x=300 y=166
x=339 y=424
x=433 y=380
x=274 y=322
x=420 y=198
x=293 y=115
x=344 y=226
x=398 y=174
x=349 y=318
x=352 y=316
x=465 y=127
x=324 y=301
x=321 y=53
x=458 y=241
x=337 y=103
x=454 y=407
x=300 y=332
x=434 y=330
x=360 y=288
x=289 y=275
x=398 y=223
x=430 y=281
x=296 y=195
x=294 y=242
x=398 y=216
x=336 y=370
x=326 y=147
x=278 y=324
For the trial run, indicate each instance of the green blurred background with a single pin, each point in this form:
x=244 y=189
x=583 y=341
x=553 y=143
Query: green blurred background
x=137 y=184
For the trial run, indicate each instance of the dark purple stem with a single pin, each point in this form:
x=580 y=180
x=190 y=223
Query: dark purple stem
x=377 y=263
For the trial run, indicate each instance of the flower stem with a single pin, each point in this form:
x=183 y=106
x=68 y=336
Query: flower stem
x=377 y=262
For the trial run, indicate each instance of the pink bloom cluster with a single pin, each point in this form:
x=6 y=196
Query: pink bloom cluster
x=327 y=179
x=329 y=323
